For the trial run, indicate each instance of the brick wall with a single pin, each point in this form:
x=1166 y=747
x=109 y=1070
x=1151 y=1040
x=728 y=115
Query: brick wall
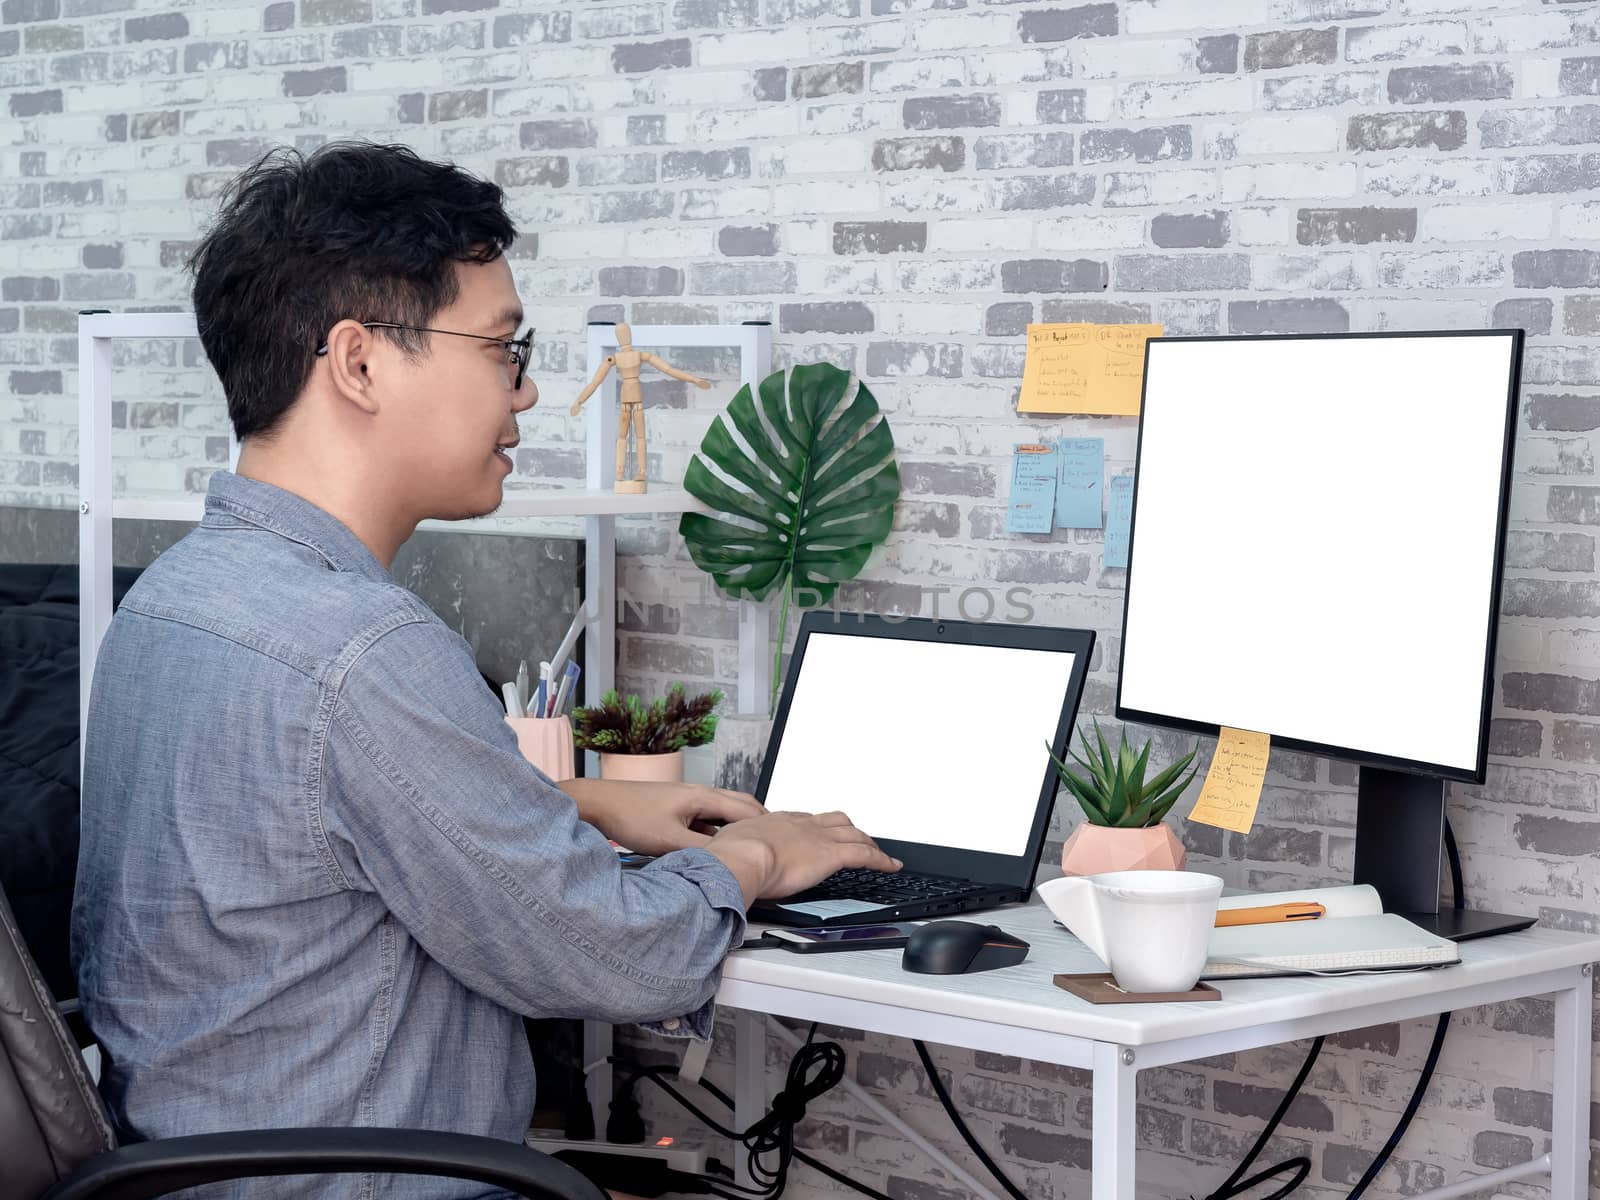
x=900 y=186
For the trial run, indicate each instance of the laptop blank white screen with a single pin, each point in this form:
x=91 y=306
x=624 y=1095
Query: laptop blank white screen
x=916 y=741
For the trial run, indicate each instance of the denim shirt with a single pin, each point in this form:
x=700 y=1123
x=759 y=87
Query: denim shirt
x=318 y=884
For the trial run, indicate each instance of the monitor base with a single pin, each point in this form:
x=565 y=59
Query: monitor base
x=1463 y=925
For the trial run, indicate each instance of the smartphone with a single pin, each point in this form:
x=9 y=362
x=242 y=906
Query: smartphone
x=850 y=937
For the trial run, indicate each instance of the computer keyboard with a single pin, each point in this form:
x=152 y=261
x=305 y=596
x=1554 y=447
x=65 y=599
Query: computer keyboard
x=886 y=888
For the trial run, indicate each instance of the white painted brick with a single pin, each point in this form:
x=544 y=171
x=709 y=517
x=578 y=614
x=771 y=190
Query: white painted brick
x=1134 y=188
x=945 y=276
x=1486 y=222
x=1575 y=647
x=1409 y=175
x=940 y=195
x=737 y=124
x=208 y=21
x=100 y=97
x=674 y=241
x=962 y=32
x=1322 y=271
x=917 y=74
x=699 y=87
x=1020 y=108
x=1165 y=16
x=604 y=95
x=825 y=156
x=1123 y=58
x=745 y=46
x=1096 y=232
x=801 y=238
x=1154 y=101
x=834 y=196
x=1412 y=312
x=1538 y=78
x=1528 y=31
x=540 y=100
x=1580 y=220
x=1033 y=64
x=1288 y=181
x=840 y=277
x=1311 y=133
x=935 y=319
x=409 y=75
x=980 y=233
x=699 y=204
x=1263 y=225
x=1425 y=39
x=852 y=116
x=1442 y=269
x=845 y=41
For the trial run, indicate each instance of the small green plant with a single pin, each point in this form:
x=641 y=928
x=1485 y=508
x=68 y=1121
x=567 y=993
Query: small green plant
x=1116 y=794
x=619 y=725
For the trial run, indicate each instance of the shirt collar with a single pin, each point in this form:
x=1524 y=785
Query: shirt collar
x=291 y=516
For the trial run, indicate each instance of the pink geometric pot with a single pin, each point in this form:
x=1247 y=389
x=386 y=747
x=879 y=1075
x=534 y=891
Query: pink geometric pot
x=1095 y=849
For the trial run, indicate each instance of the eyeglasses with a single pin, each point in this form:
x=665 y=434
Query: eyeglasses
x=519 y=349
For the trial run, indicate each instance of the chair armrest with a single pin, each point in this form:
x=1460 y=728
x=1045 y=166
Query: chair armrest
x=149 y=1169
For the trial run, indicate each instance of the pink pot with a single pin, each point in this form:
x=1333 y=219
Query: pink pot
x=1096 y=849
x=643 y=768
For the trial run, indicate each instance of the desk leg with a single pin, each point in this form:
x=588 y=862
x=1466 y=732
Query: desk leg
x=598 y=1042
x=1111 y=1172
x=750 y=1098
x=1569 y=1149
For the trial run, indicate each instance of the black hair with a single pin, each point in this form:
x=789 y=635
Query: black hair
x=354 y=230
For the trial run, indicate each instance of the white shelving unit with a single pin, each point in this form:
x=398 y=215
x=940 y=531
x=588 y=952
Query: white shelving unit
x=596 y=502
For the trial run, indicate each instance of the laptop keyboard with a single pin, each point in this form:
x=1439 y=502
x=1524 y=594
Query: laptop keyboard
x=885 y=888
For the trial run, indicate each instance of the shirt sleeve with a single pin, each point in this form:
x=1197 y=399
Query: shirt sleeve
x=426 y=800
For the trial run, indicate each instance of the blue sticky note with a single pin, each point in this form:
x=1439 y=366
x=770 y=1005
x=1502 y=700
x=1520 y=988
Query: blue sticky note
x=1119 y=520
x=1033 y=488
x=1080 y=476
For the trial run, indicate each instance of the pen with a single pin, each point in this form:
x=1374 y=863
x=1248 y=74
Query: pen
x=568 y=678
x=1298 y=910
x=522 y=686
x=558 y=661
x=543 y=693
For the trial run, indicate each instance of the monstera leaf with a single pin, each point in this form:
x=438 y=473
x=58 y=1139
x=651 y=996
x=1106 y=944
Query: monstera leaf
x=819 y=485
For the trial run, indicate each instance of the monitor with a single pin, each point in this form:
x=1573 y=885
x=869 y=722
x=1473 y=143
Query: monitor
x=1317 y=545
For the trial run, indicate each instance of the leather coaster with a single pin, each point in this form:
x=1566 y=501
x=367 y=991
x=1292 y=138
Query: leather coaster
x=1100 y=988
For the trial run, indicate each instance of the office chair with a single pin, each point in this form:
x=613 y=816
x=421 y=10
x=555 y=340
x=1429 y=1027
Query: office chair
x=59 y=1144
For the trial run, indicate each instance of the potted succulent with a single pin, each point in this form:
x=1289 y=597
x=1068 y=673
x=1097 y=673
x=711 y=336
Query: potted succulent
x=1123 y=829
x=645 y=742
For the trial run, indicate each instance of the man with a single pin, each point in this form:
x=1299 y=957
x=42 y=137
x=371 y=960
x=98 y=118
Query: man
x=318 y=884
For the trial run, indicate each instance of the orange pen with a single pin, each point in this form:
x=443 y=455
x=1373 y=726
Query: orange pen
x=1298 y=910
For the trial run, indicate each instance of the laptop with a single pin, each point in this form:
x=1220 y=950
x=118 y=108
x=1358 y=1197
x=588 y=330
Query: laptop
x=930 y=736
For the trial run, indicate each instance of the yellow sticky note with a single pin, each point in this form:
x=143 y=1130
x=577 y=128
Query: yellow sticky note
x=1085 y=368
x=1232 y=789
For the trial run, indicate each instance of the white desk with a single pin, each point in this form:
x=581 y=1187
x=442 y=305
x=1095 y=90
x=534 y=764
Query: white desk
x=1018 y=1011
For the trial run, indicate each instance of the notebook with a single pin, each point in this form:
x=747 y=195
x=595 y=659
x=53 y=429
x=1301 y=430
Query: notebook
x=1354 y=935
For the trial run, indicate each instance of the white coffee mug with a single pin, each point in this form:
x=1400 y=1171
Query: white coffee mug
x=1151 y=928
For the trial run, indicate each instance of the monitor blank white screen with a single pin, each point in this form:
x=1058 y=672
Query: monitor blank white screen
x=1314 y=539
x=933 y=742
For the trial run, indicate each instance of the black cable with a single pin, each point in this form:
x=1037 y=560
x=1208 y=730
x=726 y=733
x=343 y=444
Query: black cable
x=1299 y=1164
x=961 y=1126
x=1231 y=1187
x=816 y=1069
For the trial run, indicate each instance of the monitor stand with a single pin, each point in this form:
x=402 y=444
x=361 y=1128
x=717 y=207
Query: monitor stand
x=1400 y=851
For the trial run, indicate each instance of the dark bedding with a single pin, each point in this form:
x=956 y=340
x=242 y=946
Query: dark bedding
x=39 y=754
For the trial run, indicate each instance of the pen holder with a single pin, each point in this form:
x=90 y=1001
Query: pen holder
x=546 y=742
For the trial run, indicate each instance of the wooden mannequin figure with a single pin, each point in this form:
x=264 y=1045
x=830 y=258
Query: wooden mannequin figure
x=628 y=361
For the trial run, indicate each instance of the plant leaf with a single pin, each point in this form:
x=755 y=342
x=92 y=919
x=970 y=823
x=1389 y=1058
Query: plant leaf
x=818 y=487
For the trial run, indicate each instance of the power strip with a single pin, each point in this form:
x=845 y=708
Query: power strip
x=671 y=1155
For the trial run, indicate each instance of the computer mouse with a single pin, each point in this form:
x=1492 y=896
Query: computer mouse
x=961 y=947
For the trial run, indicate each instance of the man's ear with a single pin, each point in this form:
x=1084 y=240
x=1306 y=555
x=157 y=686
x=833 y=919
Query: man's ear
x=350 y=351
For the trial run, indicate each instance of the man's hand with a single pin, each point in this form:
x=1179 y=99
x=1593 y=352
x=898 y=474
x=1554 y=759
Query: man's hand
x=780 y=853
x=657 y=818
